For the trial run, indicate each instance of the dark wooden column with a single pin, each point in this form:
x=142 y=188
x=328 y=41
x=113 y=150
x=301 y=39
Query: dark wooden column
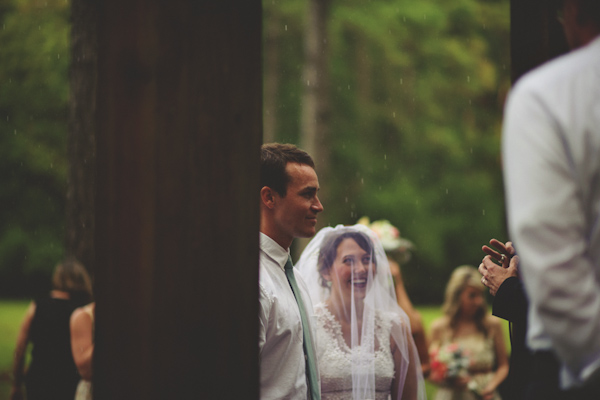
x=177 y=220
x=536 y=36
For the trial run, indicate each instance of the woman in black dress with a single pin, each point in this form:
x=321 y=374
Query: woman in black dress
x=52 y=373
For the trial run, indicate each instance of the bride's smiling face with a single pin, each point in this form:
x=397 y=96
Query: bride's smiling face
x=350 y=270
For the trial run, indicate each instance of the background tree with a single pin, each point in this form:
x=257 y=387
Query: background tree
x=416 y=94
x=82 y=132
x=33 y=120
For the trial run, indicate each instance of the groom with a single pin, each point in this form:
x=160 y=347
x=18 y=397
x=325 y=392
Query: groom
x=289 y=206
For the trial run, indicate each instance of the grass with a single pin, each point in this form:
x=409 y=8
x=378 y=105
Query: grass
x=11 y=315
x=12 y=312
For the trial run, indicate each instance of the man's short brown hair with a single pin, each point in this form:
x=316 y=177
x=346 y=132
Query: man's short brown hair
x=274 y=157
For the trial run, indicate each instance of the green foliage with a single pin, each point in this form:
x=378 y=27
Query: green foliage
x=417 y=90
x=33 y=127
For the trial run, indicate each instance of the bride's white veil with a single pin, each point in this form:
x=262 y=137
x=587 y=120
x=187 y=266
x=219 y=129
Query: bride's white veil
x=377 y=299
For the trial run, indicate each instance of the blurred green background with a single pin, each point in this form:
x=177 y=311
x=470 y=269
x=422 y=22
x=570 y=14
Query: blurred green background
x=416 y=91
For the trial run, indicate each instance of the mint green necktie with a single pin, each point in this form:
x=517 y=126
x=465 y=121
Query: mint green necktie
x=311 y=368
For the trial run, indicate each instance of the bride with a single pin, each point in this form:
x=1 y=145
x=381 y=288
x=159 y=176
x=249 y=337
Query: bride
x=365 y=348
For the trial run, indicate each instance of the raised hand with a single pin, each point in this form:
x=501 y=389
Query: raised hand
x=493 y=274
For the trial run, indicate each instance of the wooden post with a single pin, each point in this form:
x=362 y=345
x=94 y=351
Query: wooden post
x=536 y=36
x=177 y=215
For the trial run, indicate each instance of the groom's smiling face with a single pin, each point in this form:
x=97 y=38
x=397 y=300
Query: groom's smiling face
x=296 y=212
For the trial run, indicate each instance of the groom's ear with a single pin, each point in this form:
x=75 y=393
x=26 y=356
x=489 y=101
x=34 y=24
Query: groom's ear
x=267 y=197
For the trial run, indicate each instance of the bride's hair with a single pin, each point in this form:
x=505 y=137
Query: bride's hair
x=328 y=251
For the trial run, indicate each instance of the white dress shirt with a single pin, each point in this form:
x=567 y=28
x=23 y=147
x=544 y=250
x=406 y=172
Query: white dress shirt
x=282 y=362
x=551 y=160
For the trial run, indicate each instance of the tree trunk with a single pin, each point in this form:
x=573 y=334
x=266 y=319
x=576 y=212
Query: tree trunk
x=535 y=35
x=271 y=85
x=81 y=146
x=314 y=127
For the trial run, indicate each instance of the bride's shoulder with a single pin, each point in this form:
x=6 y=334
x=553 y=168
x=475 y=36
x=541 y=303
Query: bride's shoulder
x=325 y=320
x=390 y=320
x=321 y=311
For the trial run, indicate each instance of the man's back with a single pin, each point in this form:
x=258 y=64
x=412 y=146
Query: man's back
x=551 y=159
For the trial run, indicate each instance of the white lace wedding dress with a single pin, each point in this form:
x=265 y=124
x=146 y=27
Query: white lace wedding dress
x=335 y=357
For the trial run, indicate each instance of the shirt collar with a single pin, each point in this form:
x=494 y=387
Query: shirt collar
x=277 y=253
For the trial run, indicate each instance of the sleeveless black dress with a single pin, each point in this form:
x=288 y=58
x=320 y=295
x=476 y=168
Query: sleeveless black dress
x=52 y=373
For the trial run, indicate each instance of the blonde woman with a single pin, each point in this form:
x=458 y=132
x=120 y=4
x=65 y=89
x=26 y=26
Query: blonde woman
x=467 y=352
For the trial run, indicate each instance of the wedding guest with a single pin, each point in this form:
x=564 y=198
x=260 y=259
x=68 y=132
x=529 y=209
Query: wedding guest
x=397 y=250
x=82 y=346
x=550 y=148
x=467 y=352
x=365 y=348
x=289 y=206
x=52 y=373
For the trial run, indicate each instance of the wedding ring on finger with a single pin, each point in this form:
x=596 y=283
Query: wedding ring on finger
x=502 y=258
x=483 y=280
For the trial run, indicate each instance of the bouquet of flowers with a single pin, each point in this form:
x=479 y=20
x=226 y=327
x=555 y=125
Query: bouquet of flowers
x=447 y=363
x=450 y=362
x=390 y=238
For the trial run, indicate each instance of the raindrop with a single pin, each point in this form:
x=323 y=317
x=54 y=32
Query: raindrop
x=307 y=83
x=469 y=101
x=483 y=212
x=362 y=180
x=468 y=78
x=351 y=214
x=15 y=131
x=286 y=27
x=446 y=190
x=346 y=199
x=401 y=81
x=51 y=165
x=385 y=156
x=58 y=56
x=394 y=113
x=348 y=87
x=471 y=150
